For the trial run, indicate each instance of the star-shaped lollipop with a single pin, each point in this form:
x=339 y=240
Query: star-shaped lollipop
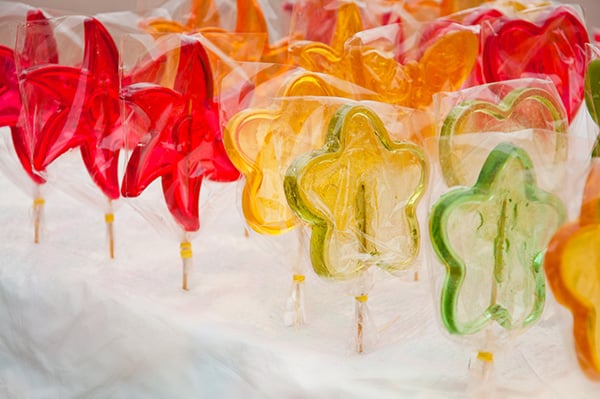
x=184 y=144
x=359 y=194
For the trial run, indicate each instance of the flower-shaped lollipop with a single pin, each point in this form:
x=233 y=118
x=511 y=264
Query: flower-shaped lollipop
x=184 y=143
x=572 y=262
x=359 y=194
x=490 y=238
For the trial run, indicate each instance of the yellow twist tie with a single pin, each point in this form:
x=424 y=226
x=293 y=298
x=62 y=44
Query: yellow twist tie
x=487 y=357
x=109 y=218
x=39 y=202
x=361 y=298
x=186 y=250
x=299 y=278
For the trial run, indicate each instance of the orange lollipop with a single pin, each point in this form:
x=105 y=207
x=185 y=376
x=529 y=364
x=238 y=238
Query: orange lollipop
x=572 y=261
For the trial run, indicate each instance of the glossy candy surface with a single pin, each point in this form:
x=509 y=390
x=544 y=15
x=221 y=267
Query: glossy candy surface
x=491 y=239
x=359 y=192
x=184 y=143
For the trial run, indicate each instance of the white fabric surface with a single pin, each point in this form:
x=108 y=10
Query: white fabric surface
x=74 y=324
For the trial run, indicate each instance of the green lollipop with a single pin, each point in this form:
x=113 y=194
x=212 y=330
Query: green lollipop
x=491 y=238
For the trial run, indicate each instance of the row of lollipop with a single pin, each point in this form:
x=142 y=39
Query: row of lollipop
x=341 y=129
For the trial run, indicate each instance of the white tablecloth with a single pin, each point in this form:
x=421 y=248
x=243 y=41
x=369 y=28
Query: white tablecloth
x=73 y=323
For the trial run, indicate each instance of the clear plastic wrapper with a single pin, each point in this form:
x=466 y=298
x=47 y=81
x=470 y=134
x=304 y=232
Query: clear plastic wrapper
x=174 y=134
x=488 y=237
x=359 y=193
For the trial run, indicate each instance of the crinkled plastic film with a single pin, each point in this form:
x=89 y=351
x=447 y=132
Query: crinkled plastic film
x=280 y=119
x=173 y=100
x=571 y=265
x=188 y=16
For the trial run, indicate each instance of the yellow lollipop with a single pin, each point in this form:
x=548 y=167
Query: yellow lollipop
x=359 y=193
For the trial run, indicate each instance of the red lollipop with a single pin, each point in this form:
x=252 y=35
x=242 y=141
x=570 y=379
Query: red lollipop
x=73 y=106
x=184 y=141
x=38 y=45
x=552 y=48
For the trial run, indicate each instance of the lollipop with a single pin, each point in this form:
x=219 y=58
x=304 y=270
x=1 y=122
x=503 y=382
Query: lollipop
x=553 y=47
x=359 y=194
x=38 y=46
x=490 y=238
x=522 y=108
x=572 y=262
x=184 y=143
x=69 y=107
